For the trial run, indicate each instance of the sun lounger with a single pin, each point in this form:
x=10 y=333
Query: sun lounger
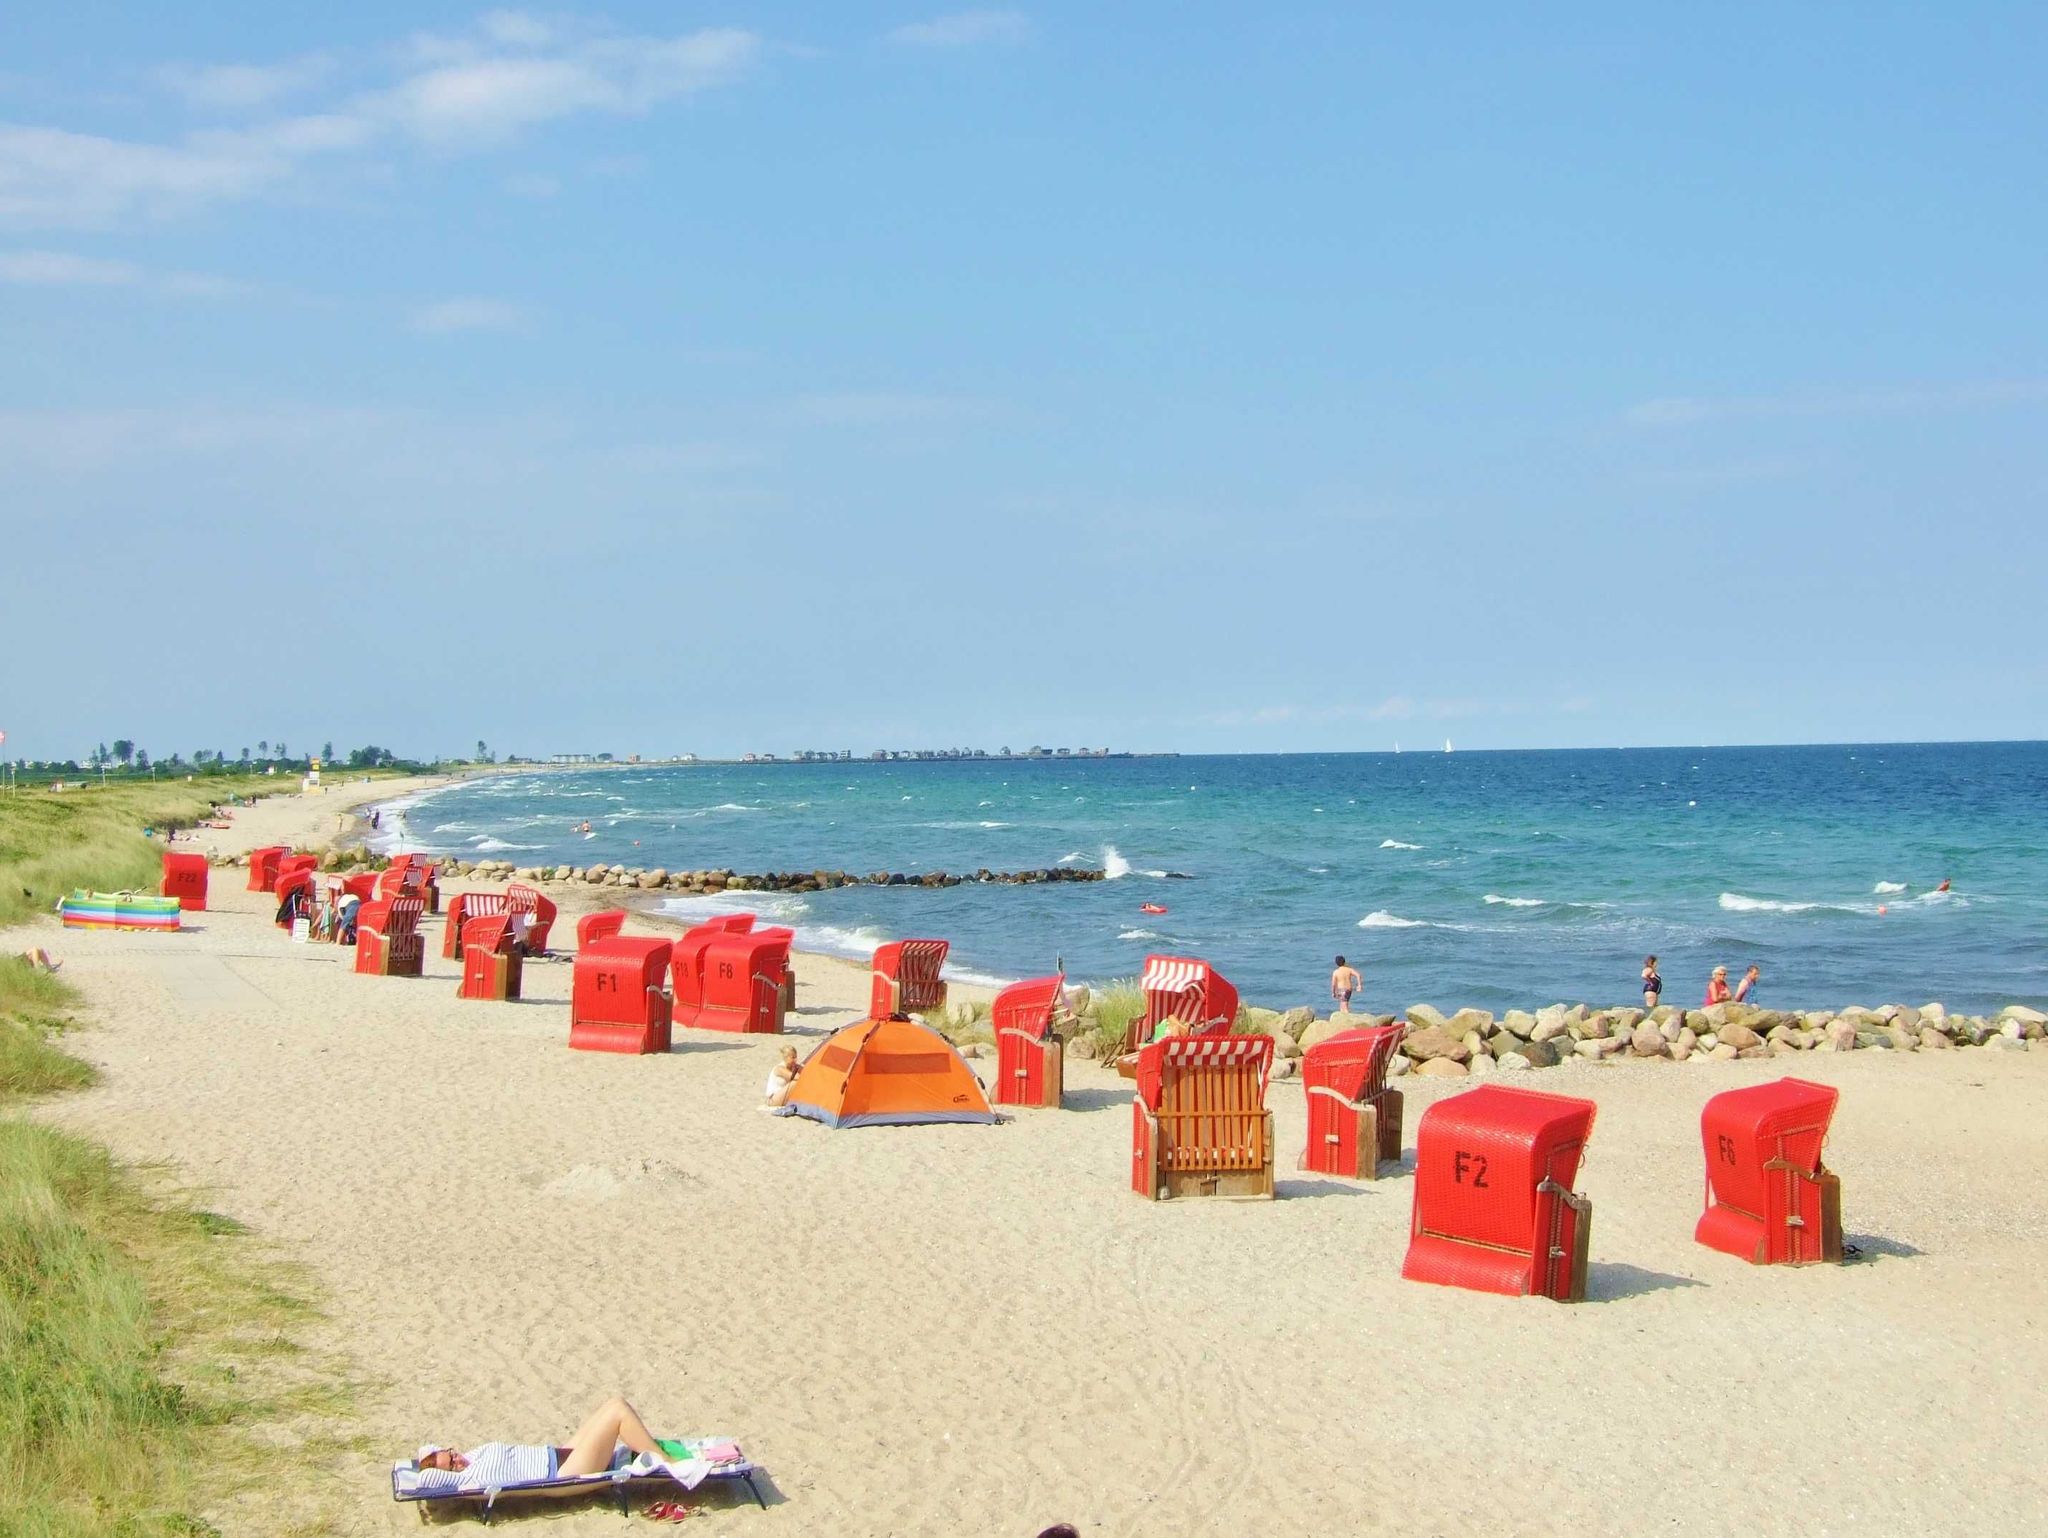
x=644 y=1475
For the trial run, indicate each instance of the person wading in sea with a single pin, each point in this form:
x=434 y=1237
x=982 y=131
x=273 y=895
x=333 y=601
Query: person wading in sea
x=1344 y=982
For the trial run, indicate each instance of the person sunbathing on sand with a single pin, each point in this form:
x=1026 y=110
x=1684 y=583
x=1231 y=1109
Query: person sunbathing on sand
x=590 y=1451
x=780 y=1077
x=39 y=960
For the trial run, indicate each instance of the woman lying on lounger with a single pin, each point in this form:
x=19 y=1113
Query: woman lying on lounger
x=590 y=1451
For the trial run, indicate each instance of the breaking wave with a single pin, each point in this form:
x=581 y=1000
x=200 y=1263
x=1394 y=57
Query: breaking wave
x=1884 y=888
x=1395 y=843
x=1515 y=902
x=1379 y=918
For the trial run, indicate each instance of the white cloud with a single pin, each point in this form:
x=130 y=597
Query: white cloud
x=1685 y=411
x=63 y=269
x=242 y=87
x=964 y=29
x=451 y=315
x=513 y=73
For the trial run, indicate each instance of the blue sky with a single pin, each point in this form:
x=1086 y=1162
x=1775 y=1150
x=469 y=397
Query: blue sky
x=1210 y=377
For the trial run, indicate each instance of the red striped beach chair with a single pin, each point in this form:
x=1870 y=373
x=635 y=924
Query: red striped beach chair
x=463 y=907
x=490 y=960
x=539 y=913
x=1199 y=1123
x=906 y=979
x=1187 y=989
x=388 y=940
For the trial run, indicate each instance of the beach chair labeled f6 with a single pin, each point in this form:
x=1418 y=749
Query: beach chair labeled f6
x=1199 y=1123
x=1030 y=1059
x=1354 y=1118
x=906 y=979
x=1770 y=1201
x=616 y=1002
x=185 y=879
x=1494 y=1206
x=388 y=939
x=491 y=962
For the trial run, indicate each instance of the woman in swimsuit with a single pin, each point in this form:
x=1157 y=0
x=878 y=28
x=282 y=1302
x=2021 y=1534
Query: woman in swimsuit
x=1653 y=985
x=1717 y=989
x=589 y=1452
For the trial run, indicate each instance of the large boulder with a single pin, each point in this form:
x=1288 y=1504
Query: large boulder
x=1518 y=1023
x=1323 y=1030
x=1648 y=1041
x=1538 y=1054
x=1736 y=1036
x=1934 y=1040
x=1426 y=1015
x=1255 y=1021
x=1481 y=1065
x=1433 y=1042
x=1297 y=1020
x=1440 y=1068
x=1285 y=1047
x=1512 y=1062
x=1549 y=1024
x=1468 y=1021
x=1839 y=1036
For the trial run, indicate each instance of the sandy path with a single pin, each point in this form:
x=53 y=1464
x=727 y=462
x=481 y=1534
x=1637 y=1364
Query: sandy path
x=953 y=1330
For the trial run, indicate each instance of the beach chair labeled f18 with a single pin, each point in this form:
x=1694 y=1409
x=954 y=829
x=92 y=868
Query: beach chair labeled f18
x=1770 y=1201
x=1494 y=1206
x=1199 y=1123
x=1030 y=1059
x=1354 y=1117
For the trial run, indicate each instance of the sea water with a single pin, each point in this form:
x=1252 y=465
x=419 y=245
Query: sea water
x=1494 y=879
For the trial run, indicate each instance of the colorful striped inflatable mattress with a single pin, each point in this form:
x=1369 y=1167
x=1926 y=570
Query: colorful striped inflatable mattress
x=118 y=910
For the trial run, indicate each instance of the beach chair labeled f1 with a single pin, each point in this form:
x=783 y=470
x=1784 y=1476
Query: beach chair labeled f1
x=1030 y=1059
x=388 y=939
x=616 y=1002
x=1770 y=1201
x=462 y=907
x=1354 y=1118
x=185 y=879
x=491 y=962
x=906 y=979
x=1199 y=1123
x=1494 y=1206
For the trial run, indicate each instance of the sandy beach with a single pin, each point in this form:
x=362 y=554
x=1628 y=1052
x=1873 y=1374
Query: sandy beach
x=955 y=1329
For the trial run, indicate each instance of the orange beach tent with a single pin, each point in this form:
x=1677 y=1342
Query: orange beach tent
x=881 y=1073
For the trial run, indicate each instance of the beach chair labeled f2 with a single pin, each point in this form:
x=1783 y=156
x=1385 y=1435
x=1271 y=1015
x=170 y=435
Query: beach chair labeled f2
x=906 y=978
x=491 y=962
x=1354 y=1118
x=1030 y=1059
x=1199 y=1123
x=616 y=1002
x=1770 y=1201
x=1494 y=1206
x=388 y=939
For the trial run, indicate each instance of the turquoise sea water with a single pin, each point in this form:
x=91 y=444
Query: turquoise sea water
x=1496 y=879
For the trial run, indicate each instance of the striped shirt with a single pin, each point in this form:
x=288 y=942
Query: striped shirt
x=494 y=1466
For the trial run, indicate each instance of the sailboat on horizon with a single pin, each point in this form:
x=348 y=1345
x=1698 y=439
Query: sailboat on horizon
x=1447 y=745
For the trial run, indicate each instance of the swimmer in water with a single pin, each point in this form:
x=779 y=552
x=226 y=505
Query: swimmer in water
x=1944 y=885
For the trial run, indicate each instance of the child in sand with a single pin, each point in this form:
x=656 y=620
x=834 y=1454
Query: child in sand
x=780 y=1077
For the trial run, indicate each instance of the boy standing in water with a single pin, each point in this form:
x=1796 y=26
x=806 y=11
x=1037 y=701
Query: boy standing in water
x=1344 y=982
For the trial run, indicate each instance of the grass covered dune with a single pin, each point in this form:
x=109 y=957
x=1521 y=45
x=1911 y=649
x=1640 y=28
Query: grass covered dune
x=52 y=843
x=145 y=1344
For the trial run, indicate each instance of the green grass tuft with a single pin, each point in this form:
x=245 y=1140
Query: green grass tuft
x=1112 y=1008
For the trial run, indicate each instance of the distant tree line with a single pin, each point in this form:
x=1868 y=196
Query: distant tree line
x=125 y=757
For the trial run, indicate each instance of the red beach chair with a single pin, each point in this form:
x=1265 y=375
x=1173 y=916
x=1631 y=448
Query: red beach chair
x=540 y=915
x=1354 y=1119
x=740 y=981
x=1199 y=1123
x=1190 y=990
x=490 y=961
x=1030 y=1060
x=616 y=1002
x=463 y=907
x=388 y=939
x=263 y=867
x=1770 y=1201
x=185 y=879
x=295 y=881
x=599 y=926
x=1494 y=1205
x=906 y=978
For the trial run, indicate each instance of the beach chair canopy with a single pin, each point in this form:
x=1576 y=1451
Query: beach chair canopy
x=887 y=1072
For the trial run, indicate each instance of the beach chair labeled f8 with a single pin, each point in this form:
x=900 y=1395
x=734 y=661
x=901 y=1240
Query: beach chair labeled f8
x=1494 y=1206
x=616 y=1002
x=1030 y=1059
x=1354 y=1118
x=906 y=978
x=739 y=980
x=1770 y=1201
x=1199 y=1123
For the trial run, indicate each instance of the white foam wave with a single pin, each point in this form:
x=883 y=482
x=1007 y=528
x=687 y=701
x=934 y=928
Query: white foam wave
x=1515 y=902
x=1070 y=857
x=496 y=845
x=1379 y=918
x=732 y=806
x=1395 y=843
x=1735 y=902
x=1140 y=934
x=1114 y=866
x=1884 y=888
